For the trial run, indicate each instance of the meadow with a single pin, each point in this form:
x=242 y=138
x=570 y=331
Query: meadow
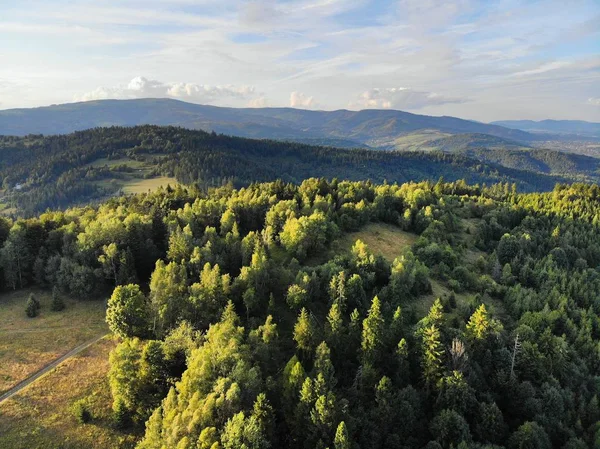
x=28 y=344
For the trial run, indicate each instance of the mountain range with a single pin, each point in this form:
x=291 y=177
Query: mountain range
x=374 y=128
x=560 y=127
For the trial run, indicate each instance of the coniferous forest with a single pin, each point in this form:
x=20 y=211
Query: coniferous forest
x=242 y=326
x=40 y=172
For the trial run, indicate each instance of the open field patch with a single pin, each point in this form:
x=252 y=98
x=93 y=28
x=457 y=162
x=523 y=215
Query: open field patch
x=382 y=239
x=27 y=344
x=40 y=416
x=143 y=185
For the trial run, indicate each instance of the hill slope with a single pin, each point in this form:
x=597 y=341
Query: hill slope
x=511 y=154
x=371 y=127
x=39 y=172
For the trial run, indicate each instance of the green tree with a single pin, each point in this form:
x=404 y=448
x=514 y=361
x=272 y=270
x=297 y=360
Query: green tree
x=373 y=331
x=15 y=256
x=529 y=435
x=431 y=361
x=32 y=308
x=489 y=424
x=304 y=331
x=168 y=293
x=480 y=325
x=109 y=259
x=450 y=428
x=81 y=411
x=342 y=439
x=58 y=303
x=128 y=313
x=296 y=297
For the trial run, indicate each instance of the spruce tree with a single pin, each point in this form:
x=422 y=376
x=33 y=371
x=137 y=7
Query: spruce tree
x=342 y=440
x=373 y=331
x=58 y=303
x=304 y=331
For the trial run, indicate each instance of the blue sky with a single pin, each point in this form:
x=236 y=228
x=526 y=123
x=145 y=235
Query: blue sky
x=483 y=60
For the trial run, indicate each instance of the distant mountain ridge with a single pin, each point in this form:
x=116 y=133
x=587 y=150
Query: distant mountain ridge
x=371 y=127
x=572 y=127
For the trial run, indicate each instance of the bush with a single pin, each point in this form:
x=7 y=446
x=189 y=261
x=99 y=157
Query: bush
x=81 y=411
x=33 y=307
x=58 y=303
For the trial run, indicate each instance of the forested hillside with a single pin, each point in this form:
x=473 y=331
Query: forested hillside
x=38 y=172
x=374 y=127
x=240 y=328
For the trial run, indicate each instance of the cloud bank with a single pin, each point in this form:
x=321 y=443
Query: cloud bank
x=302 y=101
x=141 y=87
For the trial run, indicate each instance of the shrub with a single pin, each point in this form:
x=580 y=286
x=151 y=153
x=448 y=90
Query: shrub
x=81 y=411
x=32 y=308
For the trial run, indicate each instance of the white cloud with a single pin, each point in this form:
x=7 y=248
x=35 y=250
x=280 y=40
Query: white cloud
x=400 y=98
x=141 y=87
x=259 y=102
x=594 y=101
x=555 y=65
x=300 y=100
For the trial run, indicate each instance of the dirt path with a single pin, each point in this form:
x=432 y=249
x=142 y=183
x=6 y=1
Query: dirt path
x=49 y=367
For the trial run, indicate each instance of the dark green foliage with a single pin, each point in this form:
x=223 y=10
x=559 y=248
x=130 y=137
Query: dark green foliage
x=54 y=171
x=529 y=436
x=128 y=313
x=450 y=428
x=257 y=333
x=81 y=411
x=32 y=308
x=58 y=303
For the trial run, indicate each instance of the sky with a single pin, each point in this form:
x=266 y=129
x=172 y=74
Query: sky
x=482 y=60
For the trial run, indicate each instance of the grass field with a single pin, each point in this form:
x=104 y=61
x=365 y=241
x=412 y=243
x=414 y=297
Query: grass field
x=382 y=239
x=143 y=185
x=40 y=415
x=27 y=344
x=134 y=182
x=418 y=141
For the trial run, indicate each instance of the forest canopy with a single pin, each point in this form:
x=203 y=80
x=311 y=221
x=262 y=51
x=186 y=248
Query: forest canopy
x=39 y=172
x=242 y=326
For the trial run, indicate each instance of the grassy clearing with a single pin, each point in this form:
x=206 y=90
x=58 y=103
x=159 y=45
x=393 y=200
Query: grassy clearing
x=382 y=239
x=133 y=182
x=40 y=415
x=27 y=344
x=143 y=185
x=418 y=140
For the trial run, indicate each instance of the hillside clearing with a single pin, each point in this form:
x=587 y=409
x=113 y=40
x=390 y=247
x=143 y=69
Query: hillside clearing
x=382 y=239
x=27 y=344
x=143 y=185
x=40 y=415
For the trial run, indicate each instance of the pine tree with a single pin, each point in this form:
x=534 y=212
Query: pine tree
x=121 y=415
x=342 y=440
x=58 y=302
x=304 y=331
x=432 y=355
x=373 y=330
x=480 y=326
